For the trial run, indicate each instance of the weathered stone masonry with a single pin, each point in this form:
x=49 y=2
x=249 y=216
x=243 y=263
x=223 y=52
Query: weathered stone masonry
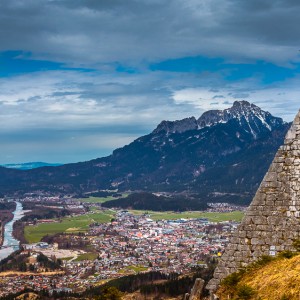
x=272 y=221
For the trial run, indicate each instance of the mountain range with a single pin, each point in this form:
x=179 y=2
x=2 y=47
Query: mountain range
x=29 y=165
x=221 y=156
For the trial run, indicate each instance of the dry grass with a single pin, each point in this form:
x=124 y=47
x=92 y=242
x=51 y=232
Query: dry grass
x=28 y=296
x=278 y=280
x=17 y=273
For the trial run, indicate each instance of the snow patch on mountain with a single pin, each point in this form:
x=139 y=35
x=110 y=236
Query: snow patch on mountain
x=252 y=118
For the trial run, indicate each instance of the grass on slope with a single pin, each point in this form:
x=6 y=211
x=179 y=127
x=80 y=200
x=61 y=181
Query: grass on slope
x=277 y=280
x=211 y=216
x=34 y=234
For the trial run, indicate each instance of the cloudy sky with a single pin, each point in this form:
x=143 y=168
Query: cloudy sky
x=79 y=78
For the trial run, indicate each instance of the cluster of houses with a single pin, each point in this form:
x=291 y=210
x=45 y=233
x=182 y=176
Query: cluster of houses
x=224 y=207
x=127 y=245
x=169 y=246
x=37 y=282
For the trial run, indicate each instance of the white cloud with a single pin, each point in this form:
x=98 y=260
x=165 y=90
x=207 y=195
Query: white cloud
x=204 y=98
x=70 y=99
x=282 y=100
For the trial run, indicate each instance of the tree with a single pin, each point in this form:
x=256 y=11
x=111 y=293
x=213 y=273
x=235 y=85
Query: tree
x=31 y=268
x=22 y=267
x=110 y=293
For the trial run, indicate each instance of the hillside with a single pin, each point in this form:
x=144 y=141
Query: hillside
x=222 y=156
x=148 y=201
x=278 y=279
x=22 y=262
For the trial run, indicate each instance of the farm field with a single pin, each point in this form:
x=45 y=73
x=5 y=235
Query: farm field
x=211 y=216
x=34 y=234
x=87 y=256
x=101 y=199
x=135 y=269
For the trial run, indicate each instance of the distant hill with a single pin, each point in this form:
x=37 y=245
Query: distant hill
x=221 y=156
x=148 y=201
x=29 y=165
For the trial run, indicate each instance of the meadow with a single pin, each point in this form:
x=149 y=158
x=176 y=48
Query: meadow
x=211 y=216
x=134 y=269
x=101 y=199
x=87 y=256
x=34 y=234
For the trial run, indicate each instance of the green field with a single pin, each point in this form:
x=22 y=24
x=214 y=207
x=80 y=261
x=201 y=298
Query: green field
x=135 y=269
x=100 y=199
x=213 y=217
x=87 y=256
x=34 y=234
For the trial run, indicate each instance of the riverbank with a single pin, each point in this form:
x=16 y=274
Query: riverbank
x=10 y=244
x=18 y=232
x=6 y=215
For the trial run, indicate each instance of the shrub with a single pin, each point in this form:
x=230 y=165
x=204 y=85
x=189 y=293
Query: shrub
x=263 y=261
x=285 y=297
x=245 y=292
x=231 y=280
x=287 y=254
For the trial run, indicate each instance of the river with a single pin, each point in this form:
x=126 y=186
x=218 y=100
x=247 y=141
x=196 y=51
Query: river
x=10 y=244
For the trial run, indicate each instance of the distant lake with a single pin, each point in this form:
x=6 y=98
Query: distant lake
x=10 y=244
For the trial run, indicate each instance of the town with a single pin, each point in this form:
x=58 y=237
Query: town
x=128 y=244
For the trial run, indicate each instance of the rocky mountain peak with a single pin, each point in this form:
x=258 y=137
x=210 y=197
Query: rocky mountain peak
x=243 y=108
x=248 y=115
x=178 y=126
x=251 y=117
x=242 y=103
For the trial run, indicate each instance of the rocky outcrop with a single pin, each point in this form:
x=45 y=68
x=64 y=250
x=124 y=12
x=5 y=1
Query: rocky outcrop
x=247 y=114
x=197 y=289
x=272 y=221
x=177 y=126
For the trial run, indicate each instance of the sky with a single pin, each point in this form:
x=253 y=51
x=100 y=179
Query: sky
x=79 y=78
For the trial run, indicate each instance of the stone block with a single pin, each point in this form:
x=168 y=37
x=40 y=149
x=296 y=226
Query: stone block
x=197 y=289
x=271 y=176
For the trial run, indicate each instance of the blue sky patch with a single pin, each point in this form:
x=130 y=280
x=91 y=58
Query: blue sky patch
x=266 y=72
x=20 y=62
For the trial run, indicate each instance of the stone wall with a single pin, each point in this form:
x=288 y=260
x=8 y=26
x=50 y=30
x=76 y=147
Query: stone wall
x=272 y=221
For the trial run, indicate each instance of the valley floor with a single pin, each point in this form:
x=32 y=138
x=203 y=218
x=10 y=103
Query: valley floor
x=103 y=245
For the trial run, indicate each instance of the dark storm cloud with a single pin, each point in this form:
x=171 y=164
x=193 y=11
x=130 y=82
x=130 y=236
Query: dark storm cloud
x=82 y=77
x=273 y=22
x=90 y=32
